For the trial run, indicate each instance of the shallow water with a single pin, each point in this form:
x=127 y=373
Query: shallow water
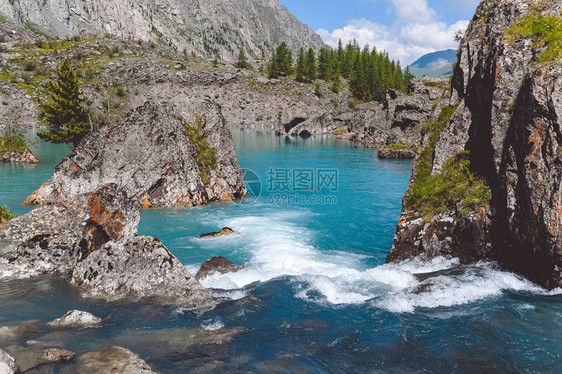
x=316 y=295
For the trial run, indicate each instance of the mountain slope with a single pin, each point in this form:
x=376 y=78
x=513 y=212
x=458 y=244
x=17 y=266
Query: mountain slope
x=436 y=64
x=208 y=28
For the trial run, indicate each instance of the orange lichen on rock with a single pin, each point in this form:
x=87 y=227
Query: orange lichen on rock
x=112 y=222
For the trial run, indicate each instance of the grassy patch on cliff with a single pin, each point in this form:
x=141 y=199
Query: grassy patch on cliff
x=434 y=193
x=5 y=214
x=206 y=155
x=546 y=32
x=398 y=147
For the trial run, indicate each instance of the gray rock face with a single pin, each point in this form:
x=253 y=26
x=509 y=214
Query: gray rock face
x=7 y=363
x=76 y=318
x=92 y=241
x=398 y=120
x=208 y=28
x=150 y=157
x=140 y=266
x=53 y=239
x=509 y=119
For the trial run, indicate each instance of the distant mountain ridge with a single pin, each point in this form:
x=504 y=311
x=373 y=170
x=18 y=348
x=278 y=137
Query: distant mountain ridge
x=208 y=28
x=436 y=64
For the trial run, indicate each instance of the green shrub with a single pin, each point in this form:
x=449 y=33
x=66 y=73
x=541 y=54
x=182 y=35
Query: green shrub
x=206 y=155
x=29 y=65
x=12 y=140
x=546 y=32
x=5 y=214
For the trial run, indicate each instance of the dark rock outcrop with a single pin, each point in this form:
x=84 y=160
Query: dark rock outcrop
x=508 y=120
x=218 y=264
x=226 y=231
x=151 y=158
x=92 y=241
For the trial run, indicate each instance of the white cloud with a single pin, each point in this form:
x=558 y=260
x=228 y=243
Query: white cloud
x=413 y=10
x=415 y=32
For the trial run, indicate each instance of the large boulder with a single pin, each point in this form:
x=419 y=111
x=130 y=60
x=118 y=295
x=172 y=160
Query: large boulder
x=152 y=158
x=92 y=241
x=139 y=266
x=76 y=318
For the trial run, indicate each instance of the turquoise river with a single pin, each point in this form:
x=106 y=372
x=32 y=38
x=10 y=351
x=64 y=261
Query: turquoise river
x=316 y=295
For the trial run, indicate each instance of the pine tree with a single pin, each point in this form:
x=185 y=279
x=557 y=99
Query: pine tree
x=284 y=59
x=310 y=65
x=408 y=76
x=336 y=84
x=272 y=67
x=281 y=62
x=301 y=67
x=64 y=113
x=242 y=60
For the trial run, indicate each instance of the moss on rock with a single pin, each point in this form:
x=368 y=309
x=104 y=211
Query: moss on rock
x=206 y=155
x=434 y=193
x=546 y=33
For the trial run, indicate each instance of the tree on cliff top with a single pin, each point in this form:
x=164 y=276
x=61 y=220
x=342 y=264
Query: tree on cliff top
x=64 y=112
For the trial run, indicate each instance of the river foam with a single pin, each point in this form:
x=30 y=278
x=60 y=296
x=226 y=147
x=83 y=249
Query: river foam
x=278 y=246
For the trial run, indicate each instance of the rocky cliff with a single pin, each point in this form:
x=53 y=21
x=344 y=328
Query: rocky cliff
x=487 y=183
x=396 y=121
x=208 y=28
x=155 y=155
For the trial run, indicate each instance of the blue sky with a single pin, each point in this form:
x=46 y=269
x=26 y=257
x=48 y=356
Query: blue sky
x=407 y=29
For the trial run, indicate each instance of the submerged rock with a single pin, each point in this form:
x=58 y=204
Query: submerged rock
x=58 y=355
x=152 y=158
x=110 y=360
x=76 y=318
x=7 y=363
x=32 y=357
x=217 y=264
x=226 y=231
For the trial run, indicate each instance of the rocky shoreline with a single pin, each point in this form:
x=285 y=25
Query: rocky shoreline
x=19 y=158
